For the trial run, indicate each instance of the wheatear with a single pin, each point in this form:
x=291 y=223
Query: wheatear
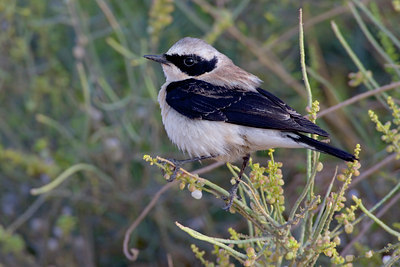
x=211 y=108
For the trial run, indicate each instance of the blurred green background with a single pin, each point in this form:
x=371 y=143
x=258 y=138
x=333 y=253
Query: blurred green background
x=74 y=89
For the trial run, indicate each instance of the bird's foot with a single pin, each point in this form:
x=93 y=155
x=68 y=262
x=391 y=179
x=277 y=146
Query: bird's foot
x=179 y=163
x=232 y=196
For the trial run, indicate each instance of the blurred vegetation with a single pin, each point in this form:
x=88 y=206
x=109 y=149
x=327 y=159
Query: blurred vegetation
x=78 y=107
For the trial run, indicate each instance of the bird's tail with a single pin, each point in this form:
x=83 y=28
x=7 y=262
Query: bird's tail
x=322 y=147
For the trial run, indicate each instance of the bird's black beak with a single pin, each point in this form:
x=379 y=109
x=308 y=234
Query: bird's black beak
x=157 y=58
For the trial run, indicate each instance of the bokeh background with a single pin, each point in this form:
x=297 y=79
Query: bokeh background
x=76 y=95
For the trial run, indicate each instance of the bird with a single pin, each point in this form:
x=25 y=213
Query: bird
x=212 y=108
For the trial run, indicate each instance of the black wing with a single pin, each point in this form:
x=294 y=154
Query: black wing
x=201 y=100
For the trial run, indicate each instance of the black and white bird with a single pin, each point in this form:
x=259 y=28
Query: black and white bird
x=211 y=108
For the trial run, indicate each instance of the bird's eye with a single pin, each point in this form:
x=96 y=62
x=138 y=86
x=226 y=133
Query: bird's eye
x=189 y=61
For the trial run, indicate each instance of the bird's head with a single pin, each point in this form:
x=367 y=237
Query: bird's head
x=194 y=58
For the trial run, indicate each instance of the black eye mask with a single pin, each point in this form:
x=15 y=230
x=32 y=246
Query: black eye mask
x=192 y=65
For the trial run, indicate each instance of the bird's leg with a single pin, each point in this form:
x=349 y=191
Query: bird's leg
x=233 y=190
x=179 y=163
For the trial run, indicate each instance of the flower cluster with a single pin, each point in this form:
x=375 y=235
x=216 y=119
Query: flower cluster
x=346 y=218
x=390 y=136
x=352 y=168
x=269 y=181
x=358 y=78
x=292 y=245
x=222 y=256
x=348 y=215
x=328 y=247
x=191 y=181
x=251 y=254
x=312 y=112
x=200 y=255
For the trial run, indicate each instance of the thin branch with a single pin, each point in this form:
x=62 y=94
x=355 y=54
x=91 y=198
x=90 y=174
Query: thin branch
x=132 y=253
x=27 y=214
x=358 y=98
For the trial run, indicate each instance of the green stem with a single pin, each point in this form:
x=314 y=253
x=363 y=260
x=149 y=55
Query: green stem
x=86 y=97
x=120 y=48
x=67 y=173
x=320 y=226
x=300 y=199
x=372 y=40
x=56 y=125
x=303 y=61
x=192 y=16
x=309 y=104
x=212 y=240
x=374 y=218
x=395 y=41
x=317 y=221
x=357 y=62
x=121 y=38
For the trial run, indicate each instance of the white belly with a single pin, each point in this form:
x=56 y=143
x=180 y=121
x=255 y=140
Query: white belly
x=201 y=137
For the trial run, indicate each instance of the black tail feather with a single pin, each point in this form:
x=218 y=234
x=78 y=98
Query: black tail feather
x=322 y=147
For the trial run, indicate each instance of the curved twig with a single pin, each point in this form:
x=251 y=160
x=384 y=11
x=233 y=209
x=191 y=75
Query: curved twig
x=132 y=253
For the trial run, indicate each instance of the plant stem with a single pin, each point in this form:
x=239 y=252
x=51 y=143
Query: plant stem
x=67 y=173
x=374 y=218
x=215 y=241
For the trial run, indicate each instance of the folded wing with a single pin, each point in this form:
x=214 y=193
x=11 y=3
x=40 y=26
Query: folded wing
x=197 y=99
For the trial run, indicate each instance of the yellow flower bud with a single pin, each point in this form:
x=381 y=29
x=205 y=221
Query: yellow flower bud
x=348 y=228
x=337 y=240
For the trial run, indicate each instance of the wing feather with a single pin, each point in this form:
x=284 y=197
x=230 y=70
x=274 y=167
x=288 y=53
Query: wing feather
x=197 y=99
